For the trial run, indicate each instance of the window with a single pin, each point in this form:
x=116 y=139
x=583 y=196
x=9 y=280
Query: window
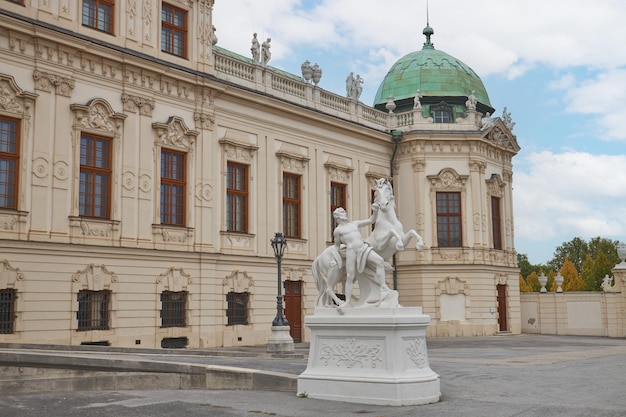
x=237 y=311
x=93 y=310
x=9 y=161
x=21 y=2
x=95 y=176
x=291 y=205
x=7 y=311
x=173 y=188
x=449 y=219
x=237 y=198
x=495 y=223
x=441 y=116
x=174 y=30
x=173 y=309
x=337 y=199
x=98 y=14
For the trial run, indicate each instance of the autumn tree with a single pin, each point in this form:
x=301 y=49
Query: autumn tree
x=571 y=279
x=532 y=281
x=523 y=287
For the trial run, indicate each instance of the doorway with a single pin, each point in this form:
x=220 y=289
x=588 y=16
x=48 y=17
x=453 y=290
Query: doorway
x=293 y=309
x=502 y=319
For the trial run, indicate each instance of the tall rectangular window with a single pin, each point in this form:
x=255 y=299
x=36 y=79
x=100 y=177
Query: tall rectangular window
x=237 y=197
x=291 y=205
x=7 y=310
x=441 y=116
x=449 y=219
x=173 y=181
x=9 y=161
x=174 y=30
x=93 y=310
x=496 y=224
x=237 y=309
x=95 y=176
x=98 y=14
x=337 y=199
x=173 y=308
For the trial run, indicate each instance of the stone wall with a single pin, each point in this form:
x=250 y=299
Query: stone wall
x=578 y=313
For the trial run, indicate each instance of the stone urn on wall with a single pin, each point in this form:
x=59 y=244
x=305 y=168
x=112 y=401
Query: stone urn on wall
x=559 y=281
x=621 y=252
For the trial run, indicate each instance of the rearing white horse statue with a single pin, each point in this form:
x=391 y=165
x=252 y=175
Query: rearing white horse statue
x=388 y=236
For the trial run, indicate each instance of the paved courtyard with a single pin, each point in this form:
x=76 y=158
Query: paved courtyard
x=521 y=376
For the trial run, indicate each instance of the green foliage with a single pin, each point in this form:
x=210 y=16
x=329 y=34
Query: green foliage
x=575 y=250
x=524 y=265
x=595 y=270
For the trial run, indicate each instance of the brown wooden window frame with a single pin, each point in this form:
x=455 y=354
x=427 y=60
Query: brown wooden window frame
x=95 y=202
x=237 y=308
x=449 y=219
x=237 y=197
x=20 y=2
x=9 y=156
x=292 y=203
x=337 y=199
x=8 y=298
x=173 y=30
x=99 y=15
x=173 y=190
x=94 y=310
x=496 y=222
x=174 y=308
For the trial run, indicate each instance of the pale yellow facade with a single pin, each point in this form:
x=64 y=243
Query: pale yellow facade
x=61 y=80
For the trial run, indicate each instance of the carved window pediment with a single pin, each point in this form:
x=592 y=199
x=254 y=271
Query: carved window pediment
x=495 y=186
x=448 y=179
x=175 y=133
x=453 y=285
x=292 y=159
x=237 y=147
x=9 y=275
x=238 y=282
x=174 y=279
x=12 y=99
x=97 y=117
x=95 y=277
x=338 y=168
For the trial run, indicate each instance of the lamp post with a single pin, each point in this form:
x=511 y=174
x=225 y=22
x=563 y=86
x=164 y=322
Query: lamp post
x=279 y=244
x=280 y=340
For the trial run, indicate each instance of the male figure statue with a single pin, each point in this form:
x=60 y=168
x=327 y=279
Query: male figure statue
x=359 y=254
x=255 y=49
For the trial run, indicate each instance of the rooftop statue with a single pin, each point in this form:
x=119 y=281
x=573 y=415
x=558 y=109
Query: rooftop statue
x=471 y=101
x=506 y=118
x=354 y=86
x=416 y=101
x=255 y=48
x=354 y=258
x=266 y=55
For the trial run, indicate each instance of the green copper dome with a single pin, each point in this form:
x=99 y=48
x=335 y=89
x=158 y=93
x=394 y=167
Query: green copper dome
x=434 y=73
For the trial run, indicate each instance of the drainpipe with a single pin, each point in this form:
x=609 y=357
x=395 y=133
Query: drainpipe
x=396 y=137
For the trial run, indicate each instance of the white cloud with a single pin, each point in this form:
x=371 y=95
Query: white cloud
x=570 y=194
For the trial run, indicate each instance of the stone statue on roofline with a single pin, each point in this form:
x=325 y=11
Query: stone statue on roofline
x=471 y=101
x=506 y=118
x=417 y=104
x=255 y=48
x=486 y=122
x=266 y=55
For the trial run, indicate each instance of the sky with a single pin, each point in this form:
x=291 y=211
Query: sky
x=558 y=66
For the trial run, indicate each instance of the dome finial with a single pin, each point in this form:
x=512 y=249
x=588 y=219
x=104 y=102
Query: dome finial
x=428 y=32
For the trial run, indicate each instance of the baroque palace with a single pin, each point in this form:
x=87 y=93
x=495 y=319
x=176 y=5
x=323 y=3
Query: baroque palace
x=144 y=171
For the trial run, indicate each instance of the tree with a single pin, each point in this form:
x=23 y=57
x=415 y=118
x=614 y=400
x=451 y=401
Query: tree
x=575 y=250
x=524 y=265
x=608 y=247
x=532 y=281
x=601 y=267
x=523 y=287
x=571 y=280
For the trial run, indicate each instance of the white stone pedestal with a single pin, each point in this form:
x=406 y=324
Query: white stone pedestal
x=369 y=356
x=280 y=341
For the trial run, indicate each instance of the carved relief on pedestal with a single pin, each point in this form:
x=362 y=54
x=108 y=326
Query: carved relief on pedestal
x=416 y=351
x=352 y=352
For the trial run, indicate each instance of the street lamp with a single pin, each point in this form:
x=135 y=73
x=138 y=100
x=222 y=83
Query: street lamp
x=279 y=244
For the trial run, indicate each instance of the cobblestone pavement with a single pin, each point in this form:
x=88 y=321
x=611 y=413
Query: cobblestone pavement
x=501 y=376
